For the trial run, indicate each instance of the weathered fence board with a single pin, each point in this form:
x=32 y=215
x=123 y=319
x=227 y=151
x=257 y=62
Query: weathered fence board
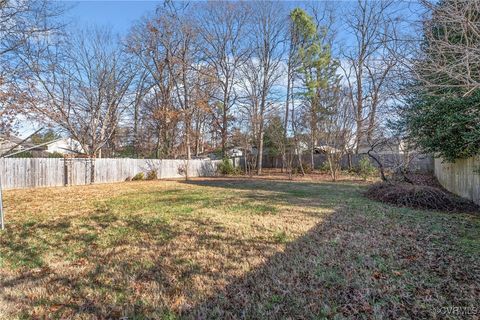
x=44 y=172
x=419 y=162
x=31 y=172
x=461 y=177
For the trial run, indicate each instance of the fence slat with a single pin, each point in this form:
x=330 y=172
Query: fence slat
x=19 y=173
x=461 y=177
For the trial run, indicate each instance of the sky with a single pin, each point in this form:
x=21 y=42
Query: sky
x=119 y=15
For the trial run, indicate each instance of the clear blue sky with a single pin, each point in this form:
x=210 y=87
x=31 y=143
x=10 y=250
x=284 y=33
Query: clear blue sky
x=116 y=14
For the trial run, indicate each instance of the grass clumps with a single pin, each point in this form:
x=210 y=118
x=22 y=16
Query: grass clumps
x=419 y=197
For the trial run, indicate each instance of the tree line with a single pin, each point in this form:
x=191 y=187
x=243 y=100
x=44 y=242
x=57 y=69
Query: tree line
x=193 y=78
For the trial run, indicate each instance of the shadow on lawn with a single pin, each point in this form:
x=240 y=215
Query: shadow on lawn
x=353 y=263
x=107 y=268
x=349 y=268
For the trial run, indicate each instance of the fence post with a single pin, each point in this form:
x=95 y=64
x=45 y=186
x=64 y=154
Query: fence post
x=92 y=170
x=67 y=171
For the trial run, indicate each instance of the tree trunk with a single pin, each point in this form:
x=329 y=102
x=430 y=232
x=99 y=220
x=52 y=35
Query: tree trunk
x=260 y=154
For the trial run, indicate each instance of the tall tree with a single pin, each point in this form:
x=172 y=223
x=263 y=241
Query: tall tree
x=21 y=24
x=81 y=85
x=224 y=29
x=316 y=70
x=146 y=42
x=262 y=71
x=368 y=61
x=442 y=114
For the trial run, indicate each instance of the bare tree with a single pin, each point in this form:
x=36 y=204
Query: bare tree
x=224 y=30
x=451 y=56
x=337 y=127
x=81 y=85
x=141 y=87
x=159 y=110
x=369 y=62
x=22 y=23
x=269 y=34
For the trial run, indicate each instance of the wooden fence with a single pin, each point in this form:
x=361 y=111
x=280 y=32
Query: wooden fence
x=461 y=177
x=419 y=162
x=44 y=172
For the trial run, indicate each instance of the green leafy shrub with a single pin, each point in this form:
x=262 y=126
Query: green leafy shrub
x=325 y=167
x=55 y=155
x=226 y=167
x=24 y=154
x=366 y=168
x=138 y=177
x=151 y=175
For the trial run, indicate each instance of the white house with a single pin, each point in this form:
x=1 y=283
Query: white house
x=64 y=146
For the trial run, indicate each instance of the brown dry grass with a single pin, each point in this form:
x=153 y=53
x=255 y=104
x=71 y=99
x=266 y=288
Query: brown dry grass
x=230 y=248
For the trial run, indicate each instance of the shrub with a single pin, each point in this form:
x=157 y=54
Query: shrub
x=307 y=168
x=139 y=176
x=325 y=167
x=151 y=175
x=226 y=167
x=182 y=170
x=55 y=155
x=366 y=168
x=24 y=154
x=419 y=197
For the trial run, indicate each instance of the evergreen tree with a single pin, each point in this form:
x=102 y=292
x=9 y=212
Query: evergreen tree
x=442 y=116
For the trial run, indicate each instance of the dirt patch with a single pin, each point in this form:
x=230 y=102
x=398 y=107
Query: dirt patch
x=420 y=197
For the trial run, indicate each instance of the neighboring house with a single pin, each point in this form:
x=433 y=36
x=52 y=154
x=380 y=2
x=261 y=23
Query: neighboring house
x=10 y=144
x=64 y=146
x=388 y=146
x=326 y=149
x=234 y=152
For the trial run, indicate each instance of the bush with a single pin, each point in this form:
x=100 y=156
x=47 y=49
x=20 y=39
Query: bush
x=182 y=170
x=55 y=155
x=325 y=167
x=226 y=167
x=24 y=154
x=138 y=177
x=151 y=175
x=307 y=168
x=366 y=168
x=419 y=197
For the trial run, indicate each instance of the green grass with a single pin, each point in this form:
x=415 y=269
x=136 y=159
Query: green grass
x=231 y=248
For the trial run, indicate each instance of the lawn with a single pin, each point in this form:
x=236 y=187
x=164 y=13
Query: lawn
x=231 y=248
